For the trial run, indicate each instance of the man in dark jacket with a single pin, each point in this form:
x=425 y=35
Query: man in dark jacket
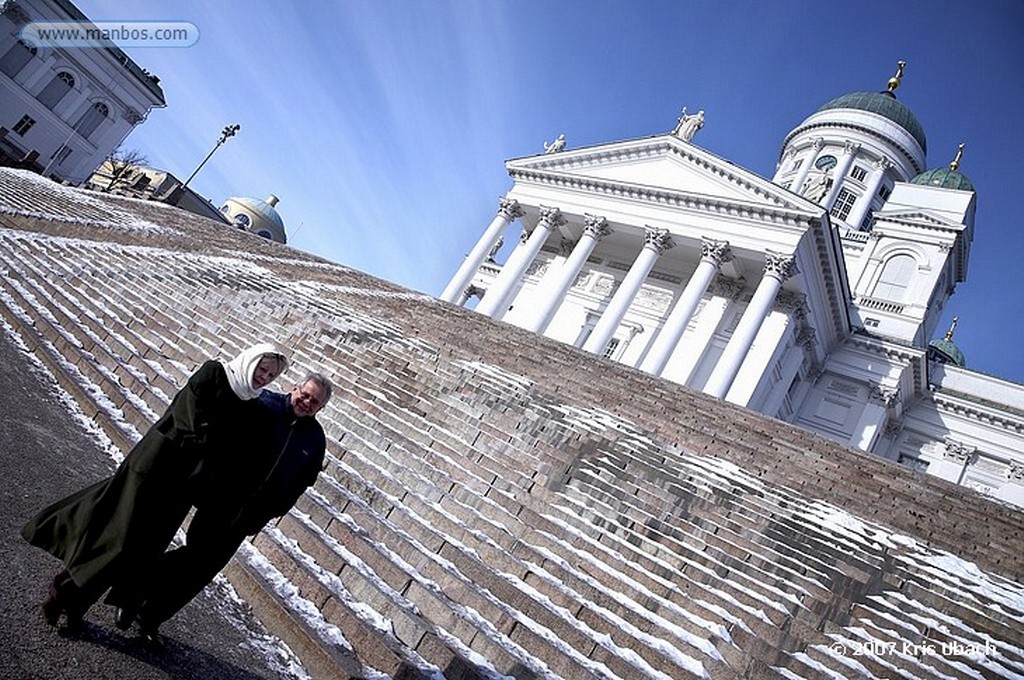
x=236 y=496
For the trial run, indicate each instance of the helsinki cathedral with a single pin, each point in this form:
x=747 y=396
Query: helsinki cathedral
x=812 y=297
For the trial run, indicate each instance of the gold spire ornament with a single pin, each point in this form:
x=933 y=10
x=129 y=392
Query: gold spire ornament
x=955 y=163
x=952 y=328
x=894 y=82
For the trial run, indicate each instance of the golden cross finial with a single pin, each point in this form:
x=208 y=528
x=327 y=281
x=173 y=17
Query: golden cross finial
x=952 y=328
x=894 y=82
x=955 y=163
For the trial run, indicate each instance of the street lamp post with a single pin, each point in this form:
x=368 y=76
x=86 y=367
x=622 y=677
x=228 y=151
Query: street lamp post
x=228 y=132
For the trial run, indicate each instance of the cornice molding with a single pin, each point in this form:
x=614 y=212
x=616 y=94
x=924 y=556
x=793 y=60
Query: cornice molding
x=665 y=197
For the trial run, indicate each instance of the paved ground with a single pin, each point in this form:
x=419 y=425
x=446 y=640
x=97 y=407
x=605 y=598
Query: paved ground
x=44 y=455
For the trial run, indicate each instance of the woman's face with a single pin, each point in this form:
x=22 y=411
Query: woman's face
x=266 y=370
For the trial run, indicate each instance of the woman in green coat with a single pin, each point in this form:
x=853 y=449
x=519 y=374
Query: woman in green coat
x=112 y=530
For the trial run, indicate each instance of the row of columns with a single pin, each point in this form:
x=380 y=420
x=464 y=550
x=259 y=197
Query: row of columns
x=714 y=253
x=839 y=174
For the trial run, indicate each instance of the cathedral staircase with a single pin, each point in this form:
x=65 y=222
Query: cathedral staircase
x=496 y=504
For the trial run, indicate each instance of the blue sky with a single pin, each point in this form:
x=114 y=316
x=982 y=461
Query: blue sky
x=384 y=125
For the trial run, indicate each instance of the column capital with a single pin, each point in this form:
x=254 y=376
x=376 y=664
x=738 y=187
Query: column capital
x=959 y=452
x=714 y=252
x=509 y=208
x=779 y=266
x=818 y=144
x=850 y=147
x=883 y=393
x=596 y=226
x=657 y=240
x=882 y=164
x=551 y=216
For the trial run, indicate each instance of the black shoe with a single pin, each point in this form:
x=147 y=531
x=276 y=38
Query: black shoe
x=62 y=589
x=151 y=640
x=124 y=617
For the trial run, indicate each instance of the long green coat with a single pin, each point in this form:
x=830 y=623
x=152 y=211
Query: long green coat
x=106 y=531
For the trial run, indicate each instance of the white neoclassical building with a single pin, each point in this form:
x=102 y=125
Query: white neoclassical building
x=63 y=110
x=812 y=297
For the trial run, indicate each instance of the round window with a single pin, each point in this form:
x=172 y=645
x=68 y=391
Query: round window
x=825 y=163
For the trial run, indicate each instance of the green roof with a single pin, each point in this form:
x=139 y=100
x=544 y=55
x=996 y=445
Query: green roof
x=944 y=177
x=947 y=351
x=884 y=104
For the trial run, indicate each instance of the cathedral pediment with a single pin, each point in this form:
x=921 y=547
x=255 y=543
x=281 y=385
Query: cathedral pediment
x=653 y=165
x=917 y=218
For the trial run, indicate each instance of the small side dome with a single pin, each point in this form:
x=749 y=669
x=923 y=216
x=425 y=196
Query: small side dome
x=947 y=178
x=256 y=216
x=945 y=350
x=884 y=104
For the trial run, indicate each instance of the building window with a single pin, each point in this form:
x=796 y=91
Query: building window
x=92 y=118
x=883 y=192
x=242 y=221
x=896 y=273
x=844 y=202
x=265 y=234
x=825 y=163
x=24 y=125
x=797 y=164
x=609 y=351
x=61 y=84
x=870 y=323
x=859 y=173
x=16 y=58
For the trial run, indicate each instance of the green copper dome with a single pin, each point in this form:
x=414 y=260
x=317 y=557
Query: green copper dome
x=884 y=104
x=944 y=177
x=946 y=352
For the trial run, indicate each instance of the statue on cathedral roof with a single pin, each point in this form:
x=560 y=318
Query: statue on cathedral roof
x=687 y=125
x=555 y=146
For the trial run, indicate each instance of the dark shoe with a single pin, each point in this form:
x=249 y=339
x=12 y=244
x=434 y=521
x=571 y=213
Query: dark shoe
x=124 y=617
x=61 y=589
x=150 y=637
x=74 y=625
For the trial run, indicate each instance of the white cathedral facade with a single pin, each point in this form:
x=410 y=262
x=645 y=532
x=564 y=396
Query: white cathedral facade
x=812 y=297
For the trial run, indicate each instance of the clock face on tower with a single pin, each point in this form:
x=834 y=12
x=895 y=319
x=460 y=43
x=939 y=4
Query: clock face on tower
x=825 y=163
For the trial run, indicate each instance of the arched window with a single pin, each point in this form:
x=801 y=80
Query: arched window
x=61 y=84
x=896 y=274
x=15 y=58
x=92 y=118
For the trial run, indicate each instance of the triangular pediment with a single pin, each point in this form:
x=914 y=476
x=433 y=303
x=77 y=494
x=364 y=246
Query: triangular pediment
x=664 y=163
x=917 y=217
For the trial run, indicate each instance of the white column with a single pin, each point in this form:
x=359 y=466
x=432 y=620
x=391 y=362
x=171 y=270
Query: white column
x=863 y=204
x=713 y=254
x=508 y=210
x=841 y=171
x=776 y=270
x=495 y=301
x=594 y=230
x=797 y=186
x=656 y=241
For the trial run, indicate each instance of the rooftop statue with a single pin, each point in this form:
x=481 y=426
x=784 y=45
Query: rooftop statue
x=555 y=146
x=687 y=125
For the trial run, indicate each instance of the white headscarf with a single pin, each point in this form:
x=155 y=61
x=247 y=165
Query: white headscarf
x=241 y=369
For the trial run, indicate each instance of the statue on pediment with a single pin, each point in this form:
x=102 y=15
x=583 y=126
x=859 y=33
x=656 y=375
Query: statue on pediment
x=555 y=146
x=687 y=125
